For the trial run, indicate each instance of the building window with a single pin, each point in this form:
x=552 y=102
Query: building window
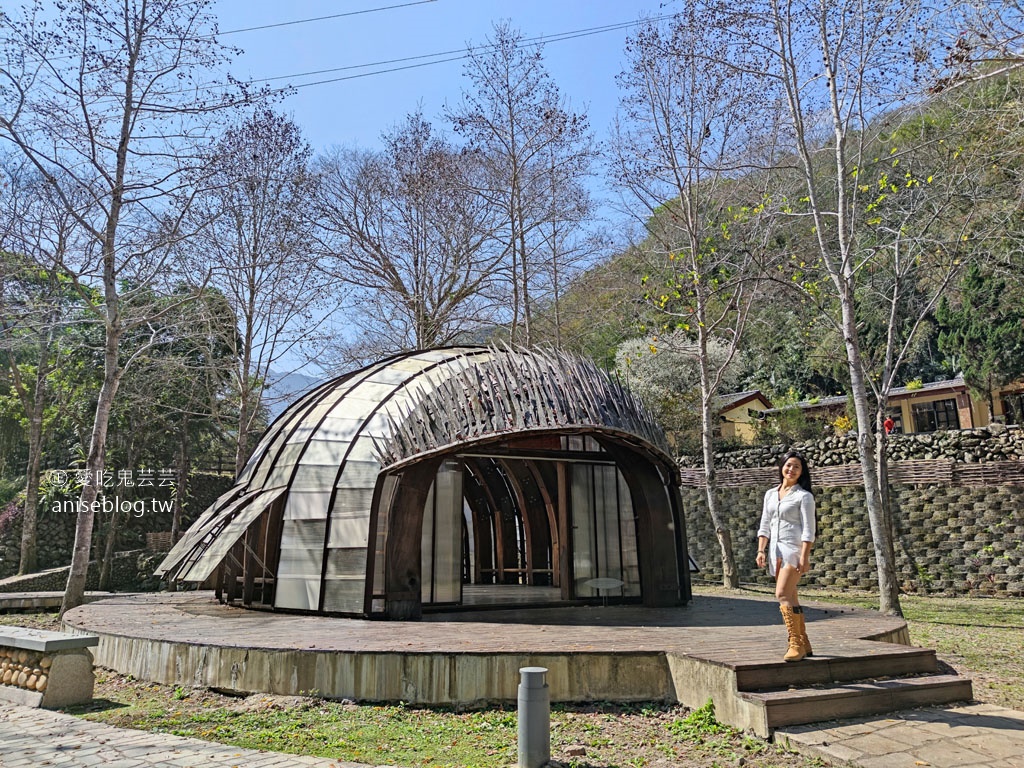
x=1013 y=408
x=938 y=414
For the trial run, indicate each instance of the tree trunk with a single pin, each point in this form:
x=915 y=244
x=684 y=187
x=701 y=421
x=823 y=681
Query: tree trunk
x=114 y=526
x=242 y=446
x=34 y=408
x=109 y=547
x=878 y=516
x=28 y=562
x=527 y=319
x=74 y=592
x=882 y=458
x=182 y=488
x=730 y=575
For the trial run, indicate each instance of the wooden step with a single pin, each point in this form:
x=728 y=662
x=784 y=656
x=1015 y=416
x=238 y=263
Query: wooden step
x=831 y=702
x=828 y=666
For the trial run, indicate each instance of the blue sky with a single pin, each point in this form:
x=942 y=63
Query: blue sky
x=356 y=111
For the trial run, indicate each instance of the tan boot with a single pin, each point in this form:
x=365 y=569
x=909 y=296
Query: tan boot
x=795 y=651
x=805 y=642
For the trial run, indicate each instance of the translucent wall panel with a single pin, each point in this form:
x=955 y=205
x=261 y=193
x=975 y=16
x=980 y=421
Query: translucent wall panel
x=363 y=449
x=297 y=593
x=467 y=521
x=359 y=474
x=309 y=410
x=284 y=465
x=442 y=537
x=584 y=554
x=427 y=548
x=345 y=584
x=307 y=505
x=299 y=569
x=339 y=429
x=314 y=477
x=200 y=534
x=604 y=531
x=606 y=521
x=349 y=502
x=390 y=484
x=350 y=527
x=628 y=545
x=229 y=536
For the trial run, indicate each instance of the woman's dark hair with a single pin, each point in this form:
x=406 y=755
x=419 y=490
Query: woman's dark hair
x=805 y=471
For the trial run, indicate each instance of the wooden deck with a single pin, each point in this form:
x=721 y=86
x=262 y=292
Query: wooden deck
x=727 y=648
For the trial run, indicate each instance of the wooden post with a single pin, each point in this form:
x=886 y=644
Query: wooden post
x=403 y=599
x=568 y=590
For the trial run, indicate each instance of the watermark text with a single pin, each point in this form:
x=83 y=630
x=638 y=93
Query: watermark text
x=107 y=505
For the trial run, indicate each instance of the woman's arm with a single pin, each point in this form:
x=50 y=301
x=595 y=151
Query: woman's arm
x=809 y=525
x=764 y=531
x=804 y=564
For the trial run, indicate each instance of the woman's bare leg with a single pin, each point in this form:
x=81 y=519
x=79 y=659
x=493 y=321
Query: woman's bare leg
x=785 y=585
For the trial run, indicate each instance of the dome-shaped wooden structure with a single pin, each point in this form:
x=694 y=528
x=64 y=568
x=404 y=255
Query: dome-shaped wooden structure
x=448 y=477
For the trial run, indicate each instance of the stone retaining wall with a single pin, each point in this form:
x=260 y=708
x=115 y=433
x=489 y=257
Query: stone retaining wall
x=57 y=528
x=949 y=540
x=124 y=576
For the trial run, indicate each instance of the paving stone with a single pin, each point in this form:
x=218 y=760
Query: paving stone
x=58 y=740
x=1002 y=748
x=891 y=760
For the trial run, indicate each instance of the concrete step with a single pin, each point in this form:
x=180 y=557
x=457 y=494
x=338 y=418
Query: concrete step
x=795 y=706
x=826 y=666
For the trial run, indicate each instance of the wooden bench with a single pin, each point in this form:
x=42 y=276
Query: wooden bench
x=39 y=668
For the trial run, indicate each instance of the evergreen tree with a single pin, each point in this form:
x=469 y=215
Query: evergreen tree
x=984 y=333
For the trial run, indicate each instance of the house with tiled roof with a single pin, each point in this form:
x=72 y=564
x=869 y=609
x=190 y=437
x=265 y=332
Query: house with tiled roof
x=927 y=407
x=740 y=412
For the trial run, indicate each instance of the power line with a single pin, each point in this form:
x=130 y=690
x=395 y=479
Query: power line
x=293 y=22
x=323 y=18
x=462 y=52
x=435 y=58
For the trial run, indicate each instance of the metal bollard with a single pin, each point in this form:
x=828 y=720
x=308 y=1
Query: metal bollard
x=534 y=718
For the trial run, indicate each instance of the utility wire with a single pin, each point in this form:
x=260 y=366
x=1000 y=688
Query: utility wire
x=276 y=25
x=459 y=53
x=323 y=18
x=435 y=58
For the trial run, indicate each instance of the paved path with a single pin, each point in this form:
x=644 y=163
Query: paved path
x=38 y=738
x=966 y=736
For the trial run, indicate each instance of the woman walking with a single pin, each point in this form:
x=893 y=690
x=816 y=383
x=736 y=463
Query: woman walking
x=784 y=541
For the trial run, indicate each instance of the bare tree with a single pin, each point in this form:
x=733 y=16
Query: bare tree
x=35 y=299
x=104 y=100
x=408 y=233
x=536 y=149
x=682 y=138
x=981 y=40
x=839 y=65
x=255 y=234
x=568 y=244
